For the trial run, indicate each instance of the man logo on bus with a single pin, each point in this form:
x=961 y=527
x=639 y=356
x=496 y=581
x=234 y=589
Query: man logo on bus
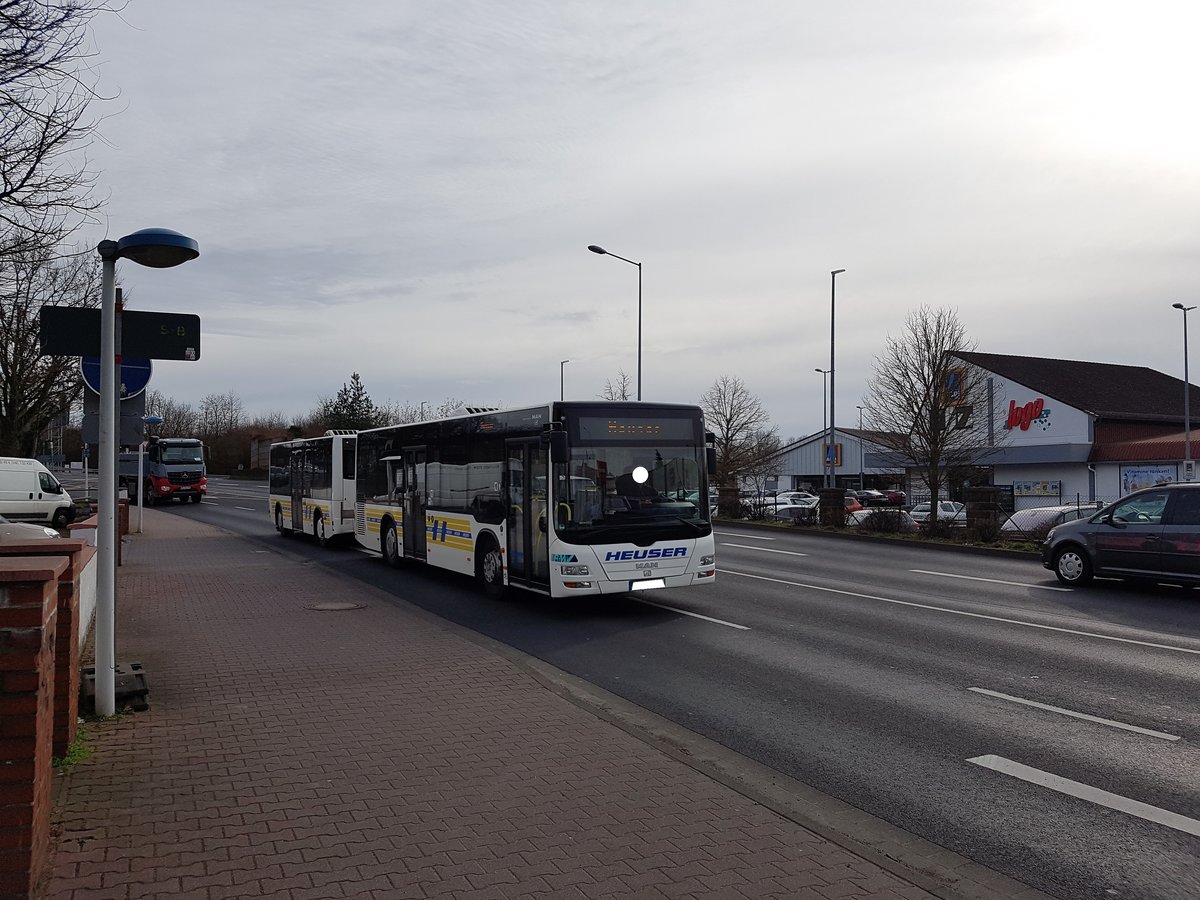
x=564 y=558
x=653 y=553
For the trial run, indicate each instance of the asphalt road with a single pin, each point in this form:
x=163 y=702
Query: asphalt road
x=1047 y=733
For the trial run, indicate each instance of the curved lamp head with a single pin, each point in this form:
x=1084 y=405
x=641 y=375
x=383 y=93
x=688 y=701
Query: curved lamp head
x=837 y=271
x=152 y=420
x=596 y=249
x=158 y=248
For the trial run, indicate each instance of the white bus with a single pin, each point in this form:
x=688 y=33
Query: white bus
x=312 y=486
x=566 y=499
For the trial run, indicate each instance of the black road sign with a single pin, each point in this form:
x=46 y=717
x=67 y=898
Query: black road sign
x=75 y=331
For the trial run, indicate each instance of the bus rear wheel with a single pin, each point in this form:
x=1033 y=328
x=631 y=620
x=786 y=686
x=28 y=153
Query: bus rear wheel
x=390 y=544
x=490 y=568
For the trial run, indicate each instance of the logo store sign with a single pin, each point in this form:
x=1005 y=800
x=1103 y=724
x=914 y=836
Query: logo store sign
x=1024 y=416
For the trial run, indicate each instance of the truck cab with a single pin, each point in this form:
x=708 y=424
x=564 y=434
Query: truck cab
x=172 y=469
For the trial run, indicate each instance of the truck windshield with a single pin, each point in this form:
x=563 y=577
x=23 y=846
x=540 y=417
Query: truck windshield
x=628 y=492
x=181 y=454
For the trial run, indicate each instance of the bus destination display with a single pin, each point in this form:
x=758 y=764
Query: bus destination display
x=599 y=428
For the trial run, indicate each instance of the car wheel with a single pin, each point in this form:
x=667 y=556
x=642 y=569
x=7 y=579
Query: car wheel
x=490 y=568
x=391 y=545
x=1072 y=566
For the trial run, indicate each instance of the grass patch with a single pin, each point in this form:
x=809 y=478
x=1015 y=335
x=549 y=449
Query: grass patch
x=80 y=749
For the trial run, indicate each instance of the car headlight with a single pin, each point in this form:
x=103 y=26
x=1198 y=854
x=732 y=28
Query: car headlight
x=50 y=532
x=710 y=560
x=575 y=570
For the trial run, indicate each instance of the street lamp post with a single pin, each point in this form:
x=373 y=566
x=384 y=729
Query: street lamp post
x=1187 y=400
x=604 y=252
x=562 y=389
x=831 y=476
x=824 y=410
x=157 y=248
x=141 y=485
x=861 y=486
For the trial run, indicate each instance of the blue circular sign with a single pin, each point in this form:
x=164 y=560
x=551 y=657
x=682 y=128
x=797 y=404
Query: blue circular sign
x=134 y=374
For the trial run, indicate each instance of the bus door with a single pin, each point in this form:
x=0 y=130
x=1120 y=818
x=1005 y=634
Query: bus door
x=299 y=488
x=414 y=502
x=525 y=476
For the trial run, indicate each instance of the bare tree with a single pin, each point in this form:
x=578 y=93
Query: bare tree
x=44 y=102
x=744 y=438
x=619 y=389
x=34 y=389
x=220 y=414
x=934 y=405
x=178 y=419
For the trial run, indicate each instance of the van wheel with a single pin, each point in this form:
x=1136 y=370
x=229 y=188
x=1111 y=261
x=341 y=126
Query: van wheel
x=390 y=545
x=1072 y=566
x=489 y=569
x=61 y=518
x=319 y=533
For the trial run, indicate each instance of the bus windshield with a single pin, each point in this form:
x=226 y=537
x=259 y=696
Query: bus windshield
x=655 y=490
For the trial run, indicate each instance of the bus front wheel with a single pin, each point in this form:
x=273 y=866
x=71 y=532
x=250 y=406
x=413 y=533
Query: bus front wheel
x=279 y=521
x=319 y=532
x=391 y=545
x=490 y=568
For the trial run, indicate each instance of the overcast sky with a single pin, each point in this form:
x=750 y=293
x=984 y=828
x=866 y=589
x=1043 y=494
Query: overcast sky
x=408 y=190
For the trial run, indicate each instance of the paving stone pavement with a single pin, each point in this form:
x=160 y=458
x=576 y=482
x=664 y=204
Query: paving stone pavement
x=377 y=752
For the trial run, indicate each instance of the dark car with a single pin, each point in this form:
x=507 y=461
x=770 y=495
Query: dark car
x=1153 y=533
x=873 y=498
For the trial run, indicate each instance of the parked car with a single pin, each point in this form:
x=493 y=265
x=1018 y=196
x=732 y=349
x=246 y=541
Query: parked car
x=803 y=511
x=852 y=504
x=899 y=498
x=950 y=512
x=873 y=498
x=1033 y=523
x=1153 y=533
x=23 y=531
x=887 y=518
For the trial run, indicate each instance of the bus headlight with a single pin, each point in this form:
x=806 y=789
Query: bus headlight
x=575 y=570
x=710 y=560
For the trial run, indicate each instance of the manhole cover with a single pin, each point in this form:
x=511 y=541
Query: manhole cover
x=335 y=607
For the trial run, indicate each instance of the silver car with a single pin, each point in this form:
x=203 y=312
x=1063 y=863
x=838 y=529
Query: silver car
x=23 y=531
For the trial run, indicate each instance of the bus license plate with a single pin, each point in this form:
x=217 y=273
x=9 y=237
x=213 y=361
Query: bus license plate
x=647 y=584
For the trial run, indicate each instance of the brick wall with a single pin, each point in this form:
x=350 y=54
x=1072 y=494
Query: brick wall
x=28 y=619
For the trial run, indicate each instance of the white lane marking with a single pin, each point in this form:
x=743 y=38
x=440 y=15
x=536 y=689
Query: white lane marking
x=1078 y=715
x=960 y=612
x=1089 y=793
x=1041 y=587
x=744 y=537
x=762 y=549
x=246 y=508
x=684 y=612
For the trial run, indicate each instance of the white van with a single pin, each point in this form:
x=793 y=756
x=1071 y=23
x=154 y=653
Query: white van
x=29 y=493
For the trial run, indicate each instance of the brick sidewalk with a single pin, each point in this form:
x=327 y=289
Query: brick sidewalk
x=289 y=752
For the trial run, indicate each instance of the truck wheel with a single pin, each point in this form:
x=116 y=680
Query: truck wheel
x=151 y=499
x=196 y=498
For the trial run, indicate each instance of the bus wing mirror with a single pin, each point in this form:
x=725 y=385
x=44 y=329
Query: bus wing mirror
x=558 y=447
x=710 y=458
